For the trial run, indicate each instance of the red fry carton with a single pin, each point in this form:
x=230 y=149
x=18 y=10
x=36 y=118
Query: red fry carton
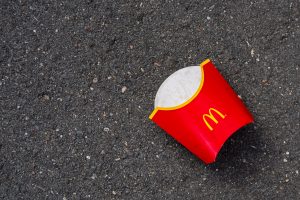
x=207 y=118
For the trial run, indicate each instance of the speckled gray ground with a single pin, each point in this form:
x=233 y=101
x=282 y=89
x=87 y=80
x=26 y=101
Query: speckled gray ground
x=69 y=130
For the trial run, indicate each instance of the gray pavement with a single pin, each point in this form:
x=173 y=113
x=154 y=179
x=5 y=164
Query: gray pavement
x=78 y=81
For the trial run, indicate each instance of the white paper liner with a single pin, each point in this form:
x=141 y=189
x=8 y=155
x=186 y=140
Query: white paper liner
x=179 y=87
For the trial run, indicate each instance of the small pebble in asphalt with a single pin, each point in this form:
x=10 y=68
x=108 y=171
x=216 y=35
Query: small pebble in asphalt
x=45 y=98
x=95 y=80
x=94 y=176
x=252 y=52
x=124 y=89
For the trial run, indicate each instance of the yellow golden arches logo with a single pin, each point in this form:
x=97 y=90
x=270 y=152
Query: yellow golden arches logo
x=212 y=117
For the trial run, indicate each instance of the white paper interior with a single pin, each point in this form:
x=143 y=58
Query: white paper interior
x=178 y=87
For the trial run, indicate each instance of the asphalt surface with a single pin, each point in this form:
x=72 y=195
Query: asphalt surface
x=78 y=81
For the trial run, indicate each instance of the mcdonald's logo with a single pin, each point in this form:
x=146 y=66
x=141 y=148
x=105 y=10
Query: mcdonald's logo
x=212 y=117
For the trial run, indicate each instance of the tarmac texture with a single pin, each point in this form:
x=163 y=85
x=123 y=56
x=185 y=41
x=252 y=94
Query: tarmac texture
x=78 y=81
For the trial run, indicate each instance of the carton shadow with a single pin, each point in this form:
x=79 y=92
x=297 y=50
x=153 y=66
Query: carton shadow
x=242 y=156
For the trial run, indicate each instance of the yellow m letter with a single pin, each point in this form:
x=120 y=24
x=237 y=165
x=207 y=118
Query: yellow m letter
x=212 y=117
